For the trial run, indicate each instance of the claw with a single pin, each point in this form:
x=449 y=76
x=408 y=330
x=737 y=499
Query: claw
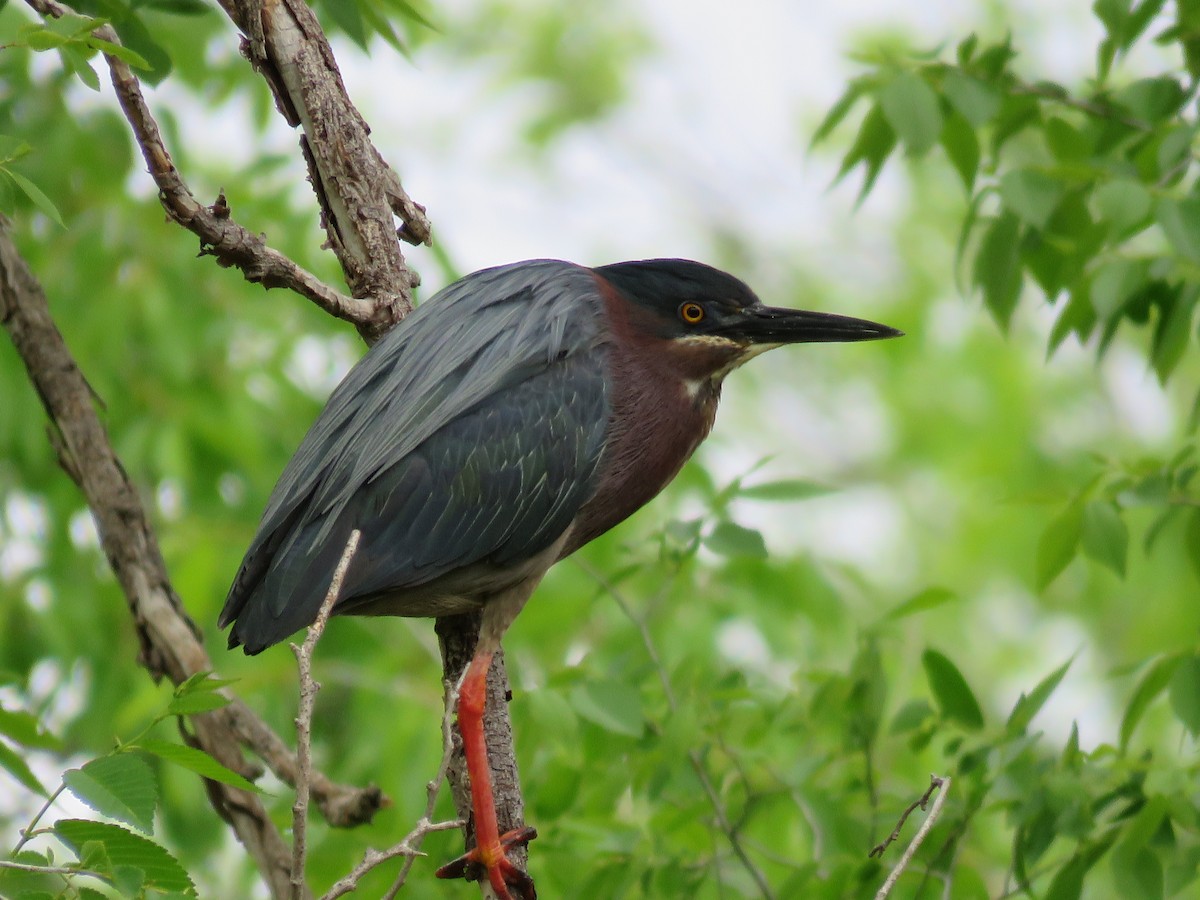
x=502 y=873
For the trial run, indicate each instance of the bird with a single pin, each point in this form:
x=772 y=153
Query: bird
x=510 y=419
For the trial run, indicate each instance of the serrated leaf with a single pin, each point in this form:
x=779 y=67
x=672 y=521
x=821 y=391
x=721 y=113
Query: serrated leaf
x=196 y=761
x=731 y=539
x=16 y=766
x=1030 y=705
x=788 y=489
x=1058 y=543
x=614 y=706
x=121 y=786
x=912 y=110
x=1105 y=536
x=954 y=697
x=34 y=193
x=197 y=702
x=1152 y=683
x=1031 y=194
x=1180 y=221
x=124 y=848
x=997 y=270
x=929 y=598
x=1184 y=693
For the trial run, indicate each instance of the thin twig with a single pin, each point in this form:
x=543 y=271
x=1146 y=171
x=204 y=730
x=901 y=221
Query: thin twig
x=936 y=782
x=710 y=790
x=308 y=696
x=28 y=831
x=48 y=870
x=230 y=243
x=410 y=846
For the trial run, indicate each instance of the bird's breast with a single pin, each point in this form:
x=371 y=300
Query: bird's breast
x=655 y=425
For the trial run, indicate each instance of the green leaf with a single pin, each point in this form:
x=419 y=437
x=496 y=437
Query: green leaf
x=1174 y=329
x=962 y=148
x=74 y=61
x=954 y=697
x=997 y=270
x=1152 y=683
x=1077 y=317
x=853 y=93
x=1180 y=221
x=1137 y=873
x=789 y=489
x=614 y=706
x=16 y=766
x=1115 y=282
x=930 y=598
x=872 y=146
x=912 y=110
x=1125 y=205
x=911 y=716
x=119 y=51
x=25 y=729
x=1058 y=543
x=196 y=761
x=121 y=786
x=199 y=702
x=1191 y=536
x=202 y=682
x=1105 y=535
x=34 y=193
x=976 y=101
x=1184 y=693
x=160 y=869
x=1028 y=706
x=1031 y=194
x=731 y=539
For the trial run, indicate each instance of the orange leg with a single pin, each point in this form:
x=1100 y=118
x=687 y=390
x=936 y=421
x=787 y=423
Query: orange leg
x=490 y=845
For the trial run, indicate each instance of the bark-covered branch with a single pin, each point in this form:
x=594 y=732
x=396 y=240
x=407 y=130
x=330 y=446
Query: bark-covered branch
x=358 y=191
x=232 y=245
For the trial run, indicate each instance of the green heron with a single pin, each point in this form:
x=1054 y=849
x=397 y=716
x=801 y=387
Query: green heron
x=515 y=416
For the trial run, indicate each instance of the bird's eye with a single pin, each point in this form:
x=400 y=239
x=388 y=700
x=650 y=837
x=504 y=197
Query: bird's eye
x=692 y=313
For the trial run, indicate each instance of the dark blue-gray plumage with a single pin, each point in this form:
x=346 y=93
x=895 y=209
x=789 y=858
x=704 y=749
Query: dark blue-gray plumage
x=512 y=418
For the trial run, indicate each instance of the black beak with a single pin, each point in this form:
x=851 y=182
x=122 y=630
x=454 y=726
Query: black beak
x=777 y=325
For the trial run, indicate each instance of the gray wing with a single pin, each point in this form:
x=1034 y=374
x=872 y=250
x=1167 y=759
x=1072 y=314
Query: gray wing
x=470 y=433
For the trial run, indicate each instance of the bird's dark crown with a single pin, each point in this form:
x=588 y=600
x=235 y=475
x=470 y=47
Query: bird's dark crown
x=664 y=286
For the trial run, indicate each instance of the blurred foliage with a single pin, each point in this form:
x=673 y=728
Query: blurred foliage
x=683 y=705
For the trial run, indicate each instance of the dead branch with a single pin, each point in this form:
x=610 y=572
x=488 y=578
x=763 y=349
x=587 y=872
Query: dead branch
x=935 y=782
x=356 y=189
x=220 y=236
x=308 y=696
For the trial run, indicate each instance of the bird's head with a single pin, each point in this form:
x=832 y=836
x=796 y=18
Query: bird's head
x=704 y=323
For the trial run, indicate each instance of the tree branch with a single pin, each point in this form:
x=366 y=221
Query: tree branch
x=357 y=190
x=935 y=782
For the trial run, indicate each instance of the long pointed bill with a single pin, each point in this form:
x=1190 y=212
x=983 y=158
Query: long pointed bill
x=777 y=325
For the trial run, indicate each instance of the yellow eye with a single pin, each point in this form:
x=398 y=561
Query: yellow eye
x=692 y=313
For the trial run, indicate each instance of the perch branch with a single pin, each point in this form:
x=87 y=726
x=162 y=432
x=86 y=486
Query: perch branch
x=308 y=696
x=232 y=245
x=935 y=782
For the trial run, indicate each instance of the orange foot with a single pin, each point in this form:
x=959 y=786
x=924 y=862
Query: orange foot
x=501 y=872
